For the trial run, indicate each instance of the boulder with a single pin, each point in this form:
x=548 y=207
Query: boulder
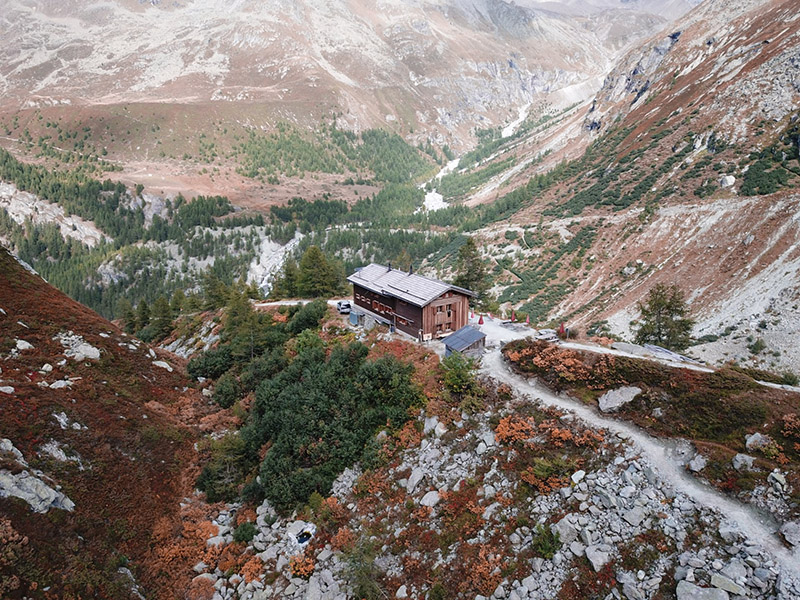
x=723 y=583
x=757 y=441
x=689 y=591
x=791 y=532
x=726 y=181
x=567 y=533
x=413 y=481
x=698 y=463
x=313 y=591
x=401 y=592
x=743 y=462
x=598 y=556
x=613 y=400
x=430 y=499
x=634 y=516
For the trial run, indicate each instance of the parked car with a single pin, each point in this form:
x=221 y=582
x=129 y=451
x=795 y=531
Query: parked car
x=343 y=306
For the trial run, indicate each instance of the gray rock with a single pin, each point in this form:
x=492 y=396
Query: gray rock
x=401 y=592
x=728 y=532
x=598 y=557
x=743 y=462
x=29 y=488
x=565 y=530
x=200 y=567
x=481 y=449
x=578 y=476
x=416 y=476
x=635 y=516
x=313 y=592
x=735 y=570
x=726 y=181
x=698 y=463
x=430 y=499
x=791 y=532
x=778 y=480
x=430 y=424
x=689 y=591
x=757 y=441
x=577 y=548
x=723 y=583
x=440 y=430
x=631 y=592
x=613 y=400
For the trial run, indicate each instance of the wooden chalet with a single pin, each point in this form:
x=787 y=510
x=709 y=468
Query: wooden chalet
x=419 y=306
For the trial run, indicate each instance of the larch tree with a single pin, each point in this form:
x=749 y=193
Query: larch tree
x=663 y=318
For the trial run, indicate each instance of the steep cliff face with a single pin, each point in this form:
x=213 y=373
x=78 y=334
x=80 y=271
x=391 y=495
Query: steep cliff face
x=93 y=453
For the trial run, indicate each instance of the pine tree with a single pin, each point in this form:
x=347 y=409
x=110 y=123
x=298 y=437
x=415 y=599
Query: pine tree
x=177 y=302
x=162 y=318
x=127 y=314
x=663 y=319
x=317 y=276
x=471 y=271
x=142 y=314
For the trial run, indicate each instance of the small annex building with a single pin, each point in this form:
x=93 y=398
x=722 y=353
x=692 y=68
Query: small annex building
x=467 y=341
x=422 y=307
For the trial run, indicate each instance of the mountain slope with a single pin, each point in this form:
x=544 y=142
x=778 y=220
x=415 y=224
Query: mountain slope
x=690 y=179
x=88 y=414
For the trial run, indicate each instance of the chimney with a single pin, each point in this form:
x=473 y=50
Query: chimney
x=411 y=269
x=389 y=265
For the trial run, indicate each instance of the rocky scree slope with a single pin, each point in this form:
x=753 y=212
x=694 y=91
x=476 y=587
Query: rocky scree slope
x=690 y=180
x=514 y=501
x=95 y=448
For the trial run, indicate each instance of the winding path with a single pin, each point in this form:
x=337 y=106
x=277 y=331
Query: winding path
x=754 y=524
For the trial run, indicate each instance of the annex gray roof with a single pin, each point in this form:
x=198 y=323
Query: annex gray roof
x=410 y=287
x=463 y=338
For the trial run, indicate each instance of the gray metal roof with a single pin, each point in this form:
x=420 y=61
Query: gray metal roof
x=410 y=287
x=463 y=338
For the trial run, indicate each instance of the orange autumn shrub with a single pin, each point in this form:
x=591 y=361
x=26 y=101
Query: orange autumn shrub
x=543 y=486
x=252 y=569
x=513 y=429
x=344 y=540
x=302 y=565
x=201 y=588
x=485 y=575
x=409 y=436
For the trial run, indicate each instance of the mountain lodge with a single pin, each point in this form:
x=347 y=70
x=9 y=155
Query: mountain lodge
x=420 y=306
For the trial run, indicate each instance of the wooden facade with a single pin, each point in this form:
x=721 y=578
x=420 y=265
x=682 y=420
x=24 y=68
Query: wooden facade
x=443 y=312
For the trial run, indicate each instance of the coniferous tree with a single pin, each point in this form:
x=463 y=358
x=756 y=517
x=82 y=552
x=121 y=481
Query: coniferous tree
x=177 y=301
x=127 y=314
x=663 y=319
x=317 y=276
x=162 y=318
x=472 y=272
x=142 y=314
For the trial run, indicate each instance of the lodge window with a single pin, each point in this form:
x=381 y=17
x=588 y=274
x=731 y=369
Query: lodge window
x=449 y=310
x=439 y=328
x=439 y=309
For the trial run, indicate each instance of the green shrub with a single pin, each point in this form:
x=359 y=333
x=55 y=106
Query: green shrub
x=245 y=533
x=211 y=364
x=545 y=543
x=320 y=414
x=226 y=391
